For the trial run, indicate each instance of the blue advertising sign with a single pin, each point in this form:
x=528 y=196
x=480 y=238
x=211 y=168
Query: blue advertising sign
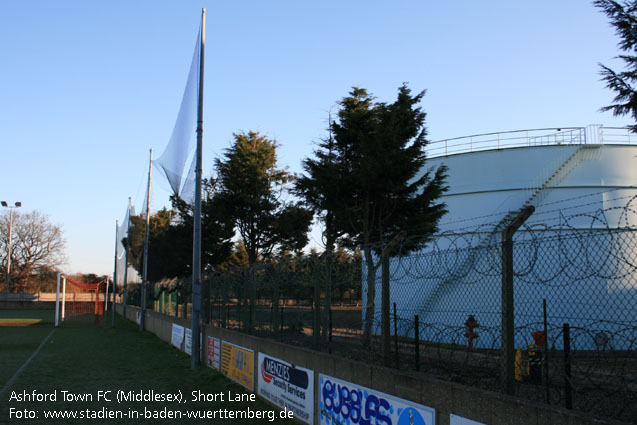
x=344 y=403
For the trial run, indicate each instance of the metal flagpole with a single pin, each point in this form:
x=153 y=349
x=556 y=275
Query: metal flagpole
x=106 y=296
x=196 y=251
x=145 y=267
x=114 y=276
x=125 y=293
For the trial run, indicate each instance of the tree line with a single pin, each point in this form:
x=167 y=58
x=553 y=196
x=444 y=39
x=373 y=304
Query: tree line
x=365 y=183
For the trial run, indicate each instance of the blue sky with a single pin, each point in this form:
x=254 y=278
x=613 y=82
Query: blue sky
x=88 y=87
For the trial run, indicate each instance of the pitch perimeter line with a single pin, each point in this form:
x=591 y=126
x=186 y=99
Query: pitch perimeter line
x=19 y=371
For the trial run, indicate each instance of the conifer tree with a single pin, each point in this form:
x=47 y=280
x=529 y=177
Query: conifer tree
x=370 y=179
x=623 y=16
x=251 y=193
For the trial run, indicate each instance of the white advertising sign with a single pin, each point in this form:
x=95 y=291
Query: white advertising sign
x=177 y=337
x=188 y=344
x=287 y=386
x=214 y=352
x=341 y=402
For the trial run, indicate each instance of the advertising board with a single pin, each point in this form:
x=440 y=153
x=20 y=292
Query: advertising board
x=342 y=402
x=214 y=352
x=237 y=363
x=177 y=337
x=188 y=342
x=287 y=386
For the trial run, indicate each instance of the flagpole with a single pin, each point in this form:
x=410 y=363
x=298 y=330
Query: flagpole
x=127 y=248
x=114 y=276
x=145 y=267
x=196 y=251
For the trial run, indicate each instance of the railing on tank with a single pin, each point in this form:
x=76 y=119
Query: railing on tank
x=592 y=134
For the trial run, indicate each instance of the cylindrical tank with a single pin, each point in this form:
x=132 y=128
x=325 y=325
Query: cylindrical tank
x=576 y=251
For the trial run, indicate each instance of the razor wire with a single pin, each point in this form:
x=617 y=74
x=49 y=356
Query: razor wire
x=580 y=262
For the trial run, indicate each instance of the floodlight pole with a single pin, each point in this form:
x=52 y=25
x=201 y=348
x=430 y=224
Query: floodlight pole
x=17 y=205
x=196 y=251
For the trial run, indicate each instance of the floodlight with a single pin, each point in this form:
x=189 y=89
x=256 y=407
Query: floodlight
x=4 y=204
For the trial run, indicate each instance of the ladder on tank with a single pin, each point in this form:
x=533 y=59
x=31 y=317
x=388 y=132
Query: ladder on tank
x=538 y=194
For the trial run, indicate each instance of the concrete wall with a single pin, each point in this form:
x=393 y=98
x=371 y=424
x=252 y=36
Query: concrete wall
x=447 y=398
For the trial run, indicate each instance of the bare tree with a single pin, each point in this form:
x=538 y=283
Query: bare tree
x=37 y=245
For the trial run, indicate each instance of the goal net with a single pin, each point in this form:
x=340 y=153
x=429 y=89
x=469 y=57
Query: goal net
x=80 y=298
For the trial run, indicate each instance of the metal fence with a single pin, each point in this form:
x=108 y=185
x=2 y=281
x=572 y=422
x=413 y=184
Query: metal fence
x=574 y=308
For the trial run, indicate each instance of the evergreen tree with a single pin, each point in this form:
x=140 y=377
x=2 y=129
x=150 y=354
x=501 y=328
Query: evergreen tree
x=370 y=178
x=170 y=238
x=251 y=188
x=623 y=16
x=319 y=188
x=168 y=243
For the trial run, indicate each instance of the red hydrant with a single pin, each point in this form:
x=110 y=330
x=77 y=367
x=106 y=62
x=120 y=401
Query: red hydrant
x=471 y=334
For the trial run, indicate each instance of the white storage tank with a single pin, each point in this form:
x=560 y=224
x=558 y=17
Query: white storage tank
x=577 y=250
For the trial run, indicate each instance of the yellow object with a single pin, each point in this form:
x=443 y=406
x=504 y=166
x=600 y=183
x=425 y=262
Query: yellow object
x=531 y=357
x=518 y=365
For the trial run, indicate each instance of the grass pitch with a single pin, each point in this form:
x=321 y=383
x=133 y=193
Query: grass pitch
x=26 y=317
x=82 y=359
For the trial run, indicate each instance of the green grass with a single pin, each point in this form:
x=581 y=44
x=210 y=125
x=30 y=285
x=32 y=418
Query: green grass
x=47 y=316
x=84 y=359
x=18 y=343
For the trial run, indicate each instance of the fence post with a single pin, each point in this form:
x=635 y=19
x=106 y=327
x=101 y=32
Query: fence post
x=253 y=300
x=396 y=336
x=568 y=395
x=385 y=312
x=546 y=355
x=328 y=299
x=329 y=345
x=241 y=297
x=507 y=375
x=417 y=342
x=281 y=321
x=276 y=295
x=316 y=329
x=224 y=303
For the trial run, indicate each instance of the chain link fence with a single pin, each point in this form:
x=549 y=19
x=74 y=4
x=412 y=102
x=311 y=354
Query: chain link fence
x=574 y=307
